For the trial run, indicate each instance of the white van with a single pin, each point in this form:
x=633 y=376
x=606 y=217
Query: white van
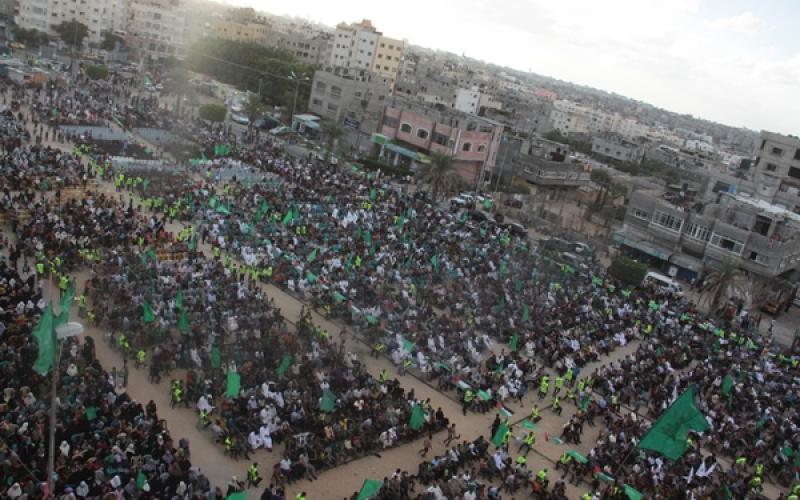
x=660 y=280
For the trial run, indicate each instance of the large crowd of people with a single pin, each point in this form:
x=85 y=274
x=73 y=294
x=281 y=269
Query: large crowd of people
x=488 y=316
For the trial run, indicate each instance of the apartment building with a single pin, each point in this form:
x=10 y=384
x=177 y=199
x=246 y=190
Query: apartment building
x=158 y=28
x=307 y=49
x=777 y=169
x=617 y=148
x=239 y=31
x=686 y=239
x=361 y=46
x=99 y=16
x=409 y=131
x=355 y=97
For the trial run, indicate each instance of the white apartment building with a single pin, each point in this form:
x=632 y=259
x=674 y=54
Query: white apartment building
x=158 y=28
x=360 y=46
x=467 y=100
x=571 y=117
x=99 y=16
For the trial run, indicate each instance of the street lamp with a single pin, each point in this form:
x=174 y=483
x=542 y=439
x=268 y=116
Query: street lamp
x=63 y=332
x=293 y=77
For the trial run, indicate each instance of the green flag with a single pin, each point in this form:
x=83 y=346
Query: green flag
x=525 y=315
x=286 y=362
x=148 y=314
x=179 y=299
x=45 y=335
x=234 y=384
x=311 y=277
x=668 y=434
x=417 y=418
x=369 y=489
x=312 y=256
x=141 y=479
x=527 y=424
x=91 y=413
x=500 y=435
x=183 y=322
x=727 y=385
x=237 y=495
x=222 y=209
x=435 y=263
x=632 y=493
x=193 y=243
x=216 y=358
x=373 y=194
x=513 y=344
x=67 y=297
x=288 y=217
x=338 y=297
x=328 y=401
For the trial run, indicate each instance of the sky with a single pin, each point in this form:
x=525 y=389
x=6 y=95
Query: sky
x=736 y=62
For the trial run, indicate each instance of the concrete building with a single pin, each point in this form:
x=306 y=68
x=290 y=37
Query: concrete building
x=467 y=100
x=307 y=49
x=685 y=240
x=361 y=46
x=409 y=131
x=777 y=169
x=99 y=16
x=248 y=31
x=388 y=54
x=353 y=99
x=158 y=28
x=617 y=148
x=548 y=166
x=8 y=9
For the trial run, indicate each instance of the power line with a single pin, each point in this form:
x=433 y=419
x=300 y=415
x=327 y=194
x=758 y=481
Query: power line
x=297 y=81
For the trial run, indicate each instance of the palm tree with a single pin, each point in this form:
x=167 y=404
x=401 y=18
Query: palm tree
x=332 y=132
x=253 y=107
x=439 y=173
x=723 y=283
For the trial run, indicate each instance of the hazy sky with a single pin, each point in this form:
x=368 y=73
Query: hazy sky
x=732 y=61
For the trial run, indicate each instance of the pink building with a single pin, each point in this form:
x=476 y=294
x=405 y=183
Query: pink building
x=410 y=132
x=545 y=94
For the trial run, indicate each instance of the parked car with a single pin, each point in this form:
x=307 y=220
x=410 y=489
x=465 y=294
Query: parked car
x=266 y=123
x=660 y=280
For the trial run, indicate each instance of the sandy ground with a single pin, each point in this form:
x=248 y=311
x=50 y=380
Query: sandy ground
x=344 y=480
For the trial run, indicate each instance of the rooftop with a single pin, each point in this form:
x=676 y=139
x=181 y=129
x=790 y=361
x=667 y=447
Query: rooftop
x=765 y=206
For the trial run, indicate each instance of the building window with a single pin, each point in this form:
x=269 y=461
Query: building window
x=668 y=221
x=336 y=91
x=440 y=139
x=466 y=147
x=777 y=151
x=794 y=172
x=422 y=133
x=317 y=102
x=390 y=121
x=332 y=107
x=481 y=148
x=771 y=167
x=698 y=232
x=640 y=214
x=797 y=154
x=728 y=244
x=405 y=128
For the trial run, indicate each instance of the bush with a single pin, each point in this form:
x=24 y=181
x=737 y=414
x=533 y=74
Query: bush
x=213 y=112
x=627 y=270
x=97 y=72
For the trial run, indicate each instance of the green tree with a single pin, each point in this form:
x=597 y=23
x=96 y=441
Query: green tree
x=723 y=283
x=177 y=82
x=250 y=65
x=332 y=131
x=110 y=41
x=627 y=270
x=213 y=112
x=440 y=173
x=72 y=32
x=30 y=37
x=253 y=108
x=97 y=72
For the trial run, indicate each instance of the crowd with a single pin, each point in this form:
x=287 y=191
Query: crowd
x=471 y=306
